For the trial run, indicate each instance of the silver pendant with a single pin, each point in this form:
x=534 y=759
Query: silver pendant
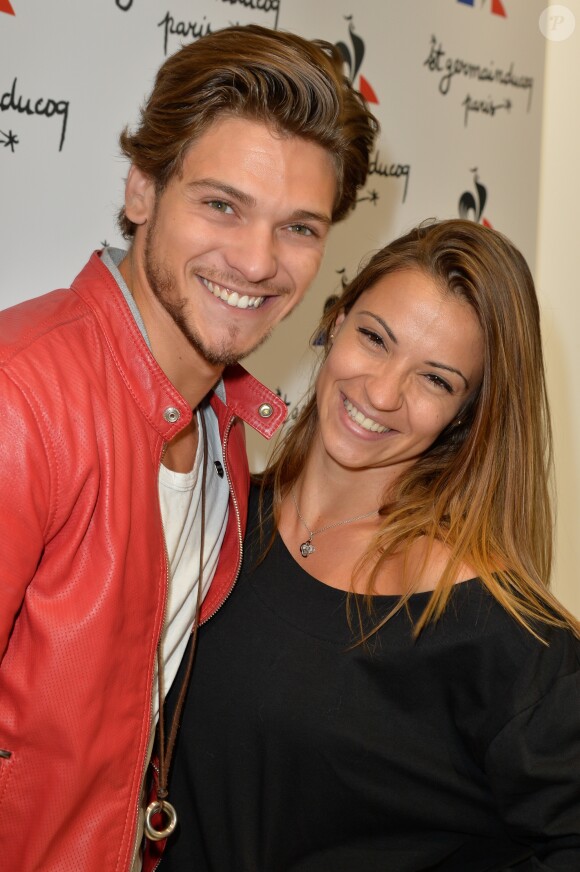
x=306 y=548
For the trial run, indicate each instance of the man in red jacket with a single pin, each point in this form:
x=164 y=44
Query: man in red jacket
x=123 y=476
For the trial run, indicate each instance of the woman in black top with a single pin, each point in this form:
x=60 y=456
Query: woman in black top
x=392 y=687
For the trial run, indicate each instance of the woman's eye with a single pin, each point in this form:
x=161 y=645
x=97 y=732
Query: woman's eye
x=372 y=337
x=220 y=206
x=439 y=382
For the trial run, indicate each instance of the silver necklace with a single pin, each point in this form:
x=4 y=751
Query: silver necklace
x=307 y=547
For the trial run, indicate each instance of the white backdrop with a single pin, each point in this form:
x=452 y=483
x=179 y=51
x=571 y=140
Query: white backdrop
x=457 y=85
x=558 y=267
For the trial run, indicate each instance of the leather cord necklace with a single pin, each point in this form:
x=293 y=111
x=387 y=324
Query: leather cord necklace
x=307 y=547
x=165 y=750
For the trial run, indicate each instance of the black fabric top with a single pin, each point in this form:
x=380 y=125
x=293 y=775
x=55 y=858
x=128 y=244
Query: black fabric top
x=298 y=753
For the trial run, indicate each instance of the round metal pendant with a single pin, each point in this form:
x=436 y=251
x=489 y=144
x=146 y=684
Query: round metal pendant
x=162 y=807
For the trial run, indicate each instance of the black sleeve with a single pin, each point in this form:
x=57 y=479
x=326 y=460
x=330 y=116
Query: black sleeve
x=533 y=766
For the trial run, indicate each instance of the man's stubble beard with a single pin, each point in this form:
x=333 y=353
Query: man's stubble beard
x=163 y=285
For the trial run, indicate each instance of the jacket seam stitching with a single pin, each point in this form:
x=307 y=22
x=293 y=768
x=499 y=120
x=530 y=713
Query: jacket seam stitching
x=49 y=450
x=156 y=372
x=45 y=328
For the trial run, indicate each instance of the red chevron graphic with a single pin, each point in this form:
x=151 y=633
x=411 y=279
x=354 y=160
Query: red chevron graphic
x=6 y=7
x=497 y=8
x=367 y=91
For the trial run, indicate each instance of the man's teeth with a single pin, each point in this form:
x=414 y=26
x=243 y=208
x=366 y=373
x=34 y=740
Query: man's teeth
x=362 y=420
x=232 y=298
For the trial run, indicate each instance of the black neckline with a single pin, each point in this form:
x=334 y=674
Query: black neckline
x=320 y=610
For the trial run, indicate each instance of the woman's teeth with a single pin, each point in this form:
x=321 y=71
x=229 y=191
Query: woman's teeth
x=366 y=423
x=232 y=298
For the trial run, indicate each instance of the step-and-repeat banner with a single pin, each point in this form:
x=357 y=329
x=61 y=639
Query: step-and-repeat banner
x=456 y=84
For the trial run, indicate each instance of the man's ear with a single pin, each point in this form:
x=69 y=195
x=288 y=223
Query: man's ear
x=139 y=196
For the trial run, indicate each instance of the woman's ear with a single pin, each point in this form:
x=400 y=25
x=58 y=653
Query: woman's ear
x=340 y=318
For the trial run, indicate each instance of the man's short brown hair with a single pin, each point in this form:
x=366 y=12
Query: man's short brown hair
x=296 y=86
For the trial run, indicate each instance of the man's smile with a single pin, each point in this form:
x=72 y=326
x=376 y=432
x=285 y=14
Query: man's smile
x=233 y=298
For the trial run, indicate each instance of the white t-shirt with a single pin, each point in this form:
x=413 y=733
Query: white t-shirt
x=180 y=500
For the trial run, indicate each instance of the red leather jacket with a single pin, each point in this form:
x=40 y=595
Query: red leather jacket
x=83 y=574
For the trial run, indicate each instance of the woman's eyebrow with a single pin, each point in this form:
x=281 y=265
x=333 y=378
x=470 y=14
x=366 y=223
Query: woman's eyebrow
x=448 y=369
x=383 y=324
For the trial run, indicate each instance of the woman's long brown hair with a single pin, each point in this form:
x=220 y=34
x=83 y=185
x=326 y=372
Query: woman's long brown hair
x=484 y=487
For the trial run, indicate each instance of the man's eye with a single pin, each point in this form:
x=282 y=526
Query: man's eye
x=301 y=230
x=220 y=206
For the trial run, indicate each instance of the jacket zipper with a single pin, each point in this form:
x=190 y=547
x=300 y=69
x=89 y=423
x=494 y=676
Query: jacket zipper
x=238 y=521
x=161 y=858
x=147 y=761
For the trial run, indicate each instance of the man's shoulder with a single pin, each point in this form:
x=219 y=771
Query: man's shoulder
x=50 y=323
x=93 y=296
x=27 y=324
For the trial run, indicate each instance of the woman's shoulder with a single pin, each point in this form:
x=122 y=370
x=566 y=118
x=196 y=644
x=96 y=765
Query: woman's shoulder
x=537 y=654
x=424 y=563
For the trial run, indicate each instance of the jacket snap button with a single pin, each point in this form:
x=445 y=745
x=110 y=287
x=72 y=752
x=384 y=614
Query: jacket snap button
x=265 y=410
x=171 y=414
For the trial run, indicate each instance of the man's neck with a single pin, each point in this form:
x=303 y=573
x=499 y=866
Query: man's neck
x=189 y=372
x=180 y=453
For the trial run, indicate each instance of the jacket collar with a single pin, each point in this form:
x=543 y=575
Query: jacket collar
x=163 y=406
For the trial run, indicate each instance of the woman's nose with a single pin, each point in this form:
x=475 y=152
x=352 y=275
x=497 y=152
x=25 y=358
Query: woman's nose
x=385 y=387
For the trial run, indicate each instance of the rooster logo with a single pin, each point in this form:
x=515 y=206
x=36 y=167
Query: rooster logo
x=471 y=207
x=353 y=60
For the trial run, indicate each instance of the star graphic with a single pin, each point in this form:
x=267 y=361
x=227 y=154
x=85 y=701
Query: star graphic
x=373 y=196
x=8 y=140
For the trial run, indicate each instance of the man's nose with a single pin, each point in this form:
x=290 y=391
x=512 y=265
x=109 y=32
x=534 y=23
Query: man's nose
x=254 y=252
